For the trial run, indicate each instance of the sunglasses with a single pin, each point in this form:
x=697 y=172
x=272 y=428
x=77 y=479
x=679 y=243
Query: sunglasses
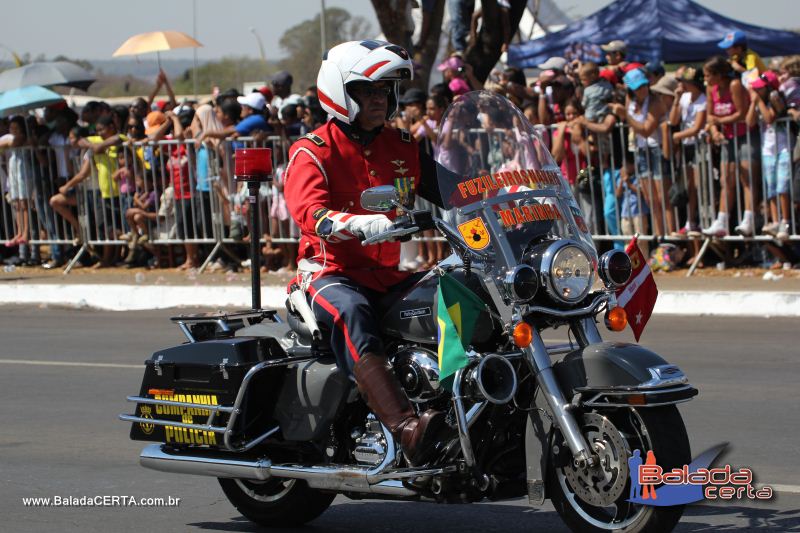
x=371 y=91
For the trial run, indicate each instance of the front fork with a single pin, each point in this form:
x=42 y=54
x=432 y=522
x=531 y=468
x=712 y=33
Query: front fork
x=539 y=362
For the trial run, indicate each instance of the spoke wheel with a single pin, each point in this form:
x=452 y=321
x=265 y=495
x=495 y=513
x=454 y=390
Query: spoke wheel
x=595 y=499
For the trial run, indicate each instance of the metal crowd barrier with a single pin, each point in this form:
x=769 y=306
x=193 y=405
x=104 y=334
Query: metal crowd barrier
x=29 y=177
x=700 y=166
x=186 y=194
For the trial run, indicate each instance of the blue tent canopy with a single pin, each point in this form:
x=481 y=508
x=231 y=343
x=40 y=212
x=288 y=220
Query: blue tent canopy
x=654 y=30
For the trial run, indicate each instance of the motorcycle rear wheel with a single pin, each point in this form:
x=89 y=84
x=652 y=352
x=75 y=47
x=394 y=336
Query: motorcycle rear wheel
x=276 y=502
x=659 y=429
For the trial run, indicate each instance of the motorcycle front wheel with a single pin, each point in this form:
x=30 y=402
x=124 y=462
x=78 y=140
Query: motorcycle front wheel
x=596 y=500
x=276 y=502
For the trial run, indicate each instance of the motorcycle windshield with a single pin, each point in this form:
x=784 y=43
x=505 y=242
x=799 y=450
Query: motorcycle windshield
x=500 y=186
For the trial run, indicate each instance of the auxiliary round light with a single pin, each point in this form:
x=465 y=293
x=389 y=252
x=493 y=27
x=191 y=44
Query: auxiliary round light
x=523 y=334
x=522 y=283
x=616 y=319
x=615 y=268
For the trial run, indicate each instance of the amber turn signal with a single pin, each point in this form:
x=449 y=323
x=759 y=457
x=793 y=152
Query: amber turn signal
x=161 y=392
x=637 y=399
x=616 y=319
x=523 y=334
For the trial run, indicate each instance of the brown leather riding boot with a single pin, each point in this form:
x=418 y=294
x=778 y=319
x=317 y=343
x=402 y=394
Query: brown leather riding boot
x=381 y=389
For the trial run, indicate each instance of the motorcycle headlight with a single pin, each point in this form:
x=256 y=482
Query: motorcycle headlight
x=521 y=284
x=615 y=268
x=568 y=272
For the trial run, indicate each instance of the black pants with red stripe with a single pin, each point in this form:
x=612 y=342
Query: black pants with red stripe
x=352 y=314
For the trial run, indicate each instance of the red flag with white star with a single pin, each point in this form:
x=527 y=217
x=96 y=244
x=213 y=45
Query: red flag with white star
x=638 y=295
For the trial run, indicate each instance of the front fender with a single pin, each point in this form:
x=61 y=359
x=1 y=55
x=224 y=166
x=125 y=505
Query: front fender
x=607 y=374
x=617 y=374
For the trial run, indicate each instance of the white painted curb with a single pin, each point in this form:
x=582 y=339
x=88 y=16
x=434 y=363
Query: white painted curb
x=728 y=303
x=119 y=297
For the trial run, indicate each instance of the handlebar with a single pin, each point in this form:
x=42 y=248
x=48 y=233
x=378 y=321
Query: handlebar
x=390 y=234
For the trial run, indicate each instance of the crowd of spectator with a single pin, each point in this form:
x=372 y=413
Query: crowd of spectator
x=155 y=166
x=630 y=138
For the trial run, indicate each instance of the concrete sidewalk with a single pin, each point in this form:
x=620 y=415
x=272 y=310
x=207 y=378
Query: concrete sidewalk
x=743 y=292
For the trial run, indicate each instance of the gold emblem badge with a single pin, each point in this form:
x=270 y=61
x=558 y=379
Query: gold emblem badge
x=475 y=234
x=145 y=411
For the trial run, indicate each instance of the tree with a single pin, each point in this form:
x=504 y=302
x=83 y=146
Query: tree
x=80 y=62
x=481 y=54
x=395 y=26
x=228 y=72
x=302 y=43
x=485 y=51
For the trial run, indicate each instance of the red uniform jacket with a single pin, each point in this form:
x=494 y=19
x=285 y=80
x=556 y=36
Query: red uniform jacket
x=328 y=171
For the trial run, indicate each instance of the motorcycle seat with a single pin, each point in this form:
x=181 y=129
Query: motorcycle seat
x=297 y=325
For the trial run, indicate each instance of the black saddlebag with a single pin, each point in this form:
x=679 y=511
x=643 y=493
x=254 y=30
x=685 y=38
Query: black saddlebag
x=197 y=385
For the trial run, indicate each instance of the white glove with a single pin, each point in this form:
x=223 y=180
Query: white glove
x=347 y=226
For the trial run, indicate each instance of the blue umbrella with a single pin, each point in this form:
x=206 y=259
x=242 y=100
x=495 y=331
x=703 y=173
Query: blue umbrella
x=25 y=98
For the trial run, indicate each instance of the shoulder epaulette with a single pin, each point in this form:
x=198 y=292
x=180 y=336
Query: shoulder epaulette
x=316 y=139
x=405 y=136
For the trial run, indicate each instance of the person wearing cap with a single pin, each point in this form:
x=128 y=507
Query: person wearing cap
x=741 y=57
x=459 y=75
x=615 y=52
x=557 y=89
x=281 y=89
x=643 y=114
x=688 y=114
x=557 y=64
x=253 y=107
x=412 y=107
x=767 y=105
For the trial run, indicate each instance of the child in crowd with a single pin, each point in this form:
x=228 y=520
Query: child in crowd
x=767 y=105
x=789 y=76
x=139 y=217
x=688 y=112
x=634 y=211
x=20 y=180
x=597 y=93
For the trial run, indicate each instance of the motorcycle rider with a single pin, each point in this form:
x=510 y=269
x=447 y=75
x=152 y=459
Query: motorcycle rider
x=358 y=85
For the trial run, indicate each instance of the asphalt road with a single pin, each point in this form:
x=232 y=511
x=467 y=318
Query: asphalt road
x=59 y=435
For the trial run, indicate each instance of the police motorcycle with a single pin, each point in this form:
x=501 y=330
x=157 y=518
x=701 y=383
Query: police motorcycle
x=259 y=403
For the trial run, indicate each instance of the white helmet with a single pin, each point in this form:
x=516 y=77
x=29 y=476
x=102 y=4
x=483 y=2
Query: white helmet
x=369 y=61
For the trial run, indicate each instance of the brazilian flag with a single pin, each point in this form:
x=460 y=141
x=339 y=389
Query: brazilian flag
x=457 y=315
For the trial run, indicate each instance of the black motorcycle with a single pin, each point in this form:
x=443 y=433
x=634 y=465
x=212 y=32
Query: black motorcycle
x=259 y=403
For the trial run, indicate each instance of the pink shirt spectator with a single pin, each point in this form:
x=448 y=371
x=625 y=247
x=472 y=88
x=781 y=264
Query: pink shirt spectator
x=572 y=162
x=722 y=107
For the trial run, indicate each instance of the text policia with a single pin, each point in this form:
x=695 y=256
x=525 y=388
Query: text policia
x=722 y=483
x=187 y=435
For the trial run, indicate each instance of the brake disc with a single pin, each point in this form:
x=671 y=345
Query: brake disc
x=600 y=485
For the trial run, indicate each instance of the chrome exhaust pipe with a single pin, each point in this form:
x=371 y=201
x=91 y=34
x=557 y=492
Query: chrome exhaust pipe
x=340 y=479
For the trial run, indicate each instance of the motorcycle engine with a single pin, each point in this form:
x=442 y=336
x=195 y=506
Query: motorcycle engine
x=370 y=447
x=418 y=372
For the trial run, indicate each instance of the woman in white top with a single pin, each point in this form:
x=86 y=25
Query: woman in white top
x=643 y=114
x=689 y=112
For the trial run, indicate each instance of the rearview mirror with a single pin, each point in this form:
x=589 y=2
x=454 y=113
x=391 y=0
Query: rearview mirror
x=381 y=199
